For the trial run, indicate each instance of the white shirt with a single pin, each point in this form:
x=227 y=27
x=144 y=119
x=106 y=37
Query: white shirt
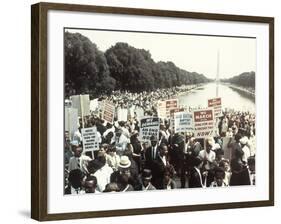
x=103 y=177
x=247 y=153
x=211 y=156
x=154 y=152
x=76 y=191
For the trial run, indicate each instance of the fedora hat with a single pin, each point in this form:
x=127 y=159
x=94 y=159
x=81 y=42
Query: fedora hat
x=146 y=174
x=124 y=162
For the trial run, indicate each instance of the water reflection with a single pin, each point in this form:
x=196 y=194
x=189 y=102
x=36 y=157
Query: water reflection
x=231 y=98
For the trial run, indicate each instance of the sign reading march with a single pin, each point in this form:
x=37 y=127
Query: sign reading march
x=216 y=104
x=204 y=124
x=149 y=126
x=183 y=122
x=108 y=112
x=90 y=139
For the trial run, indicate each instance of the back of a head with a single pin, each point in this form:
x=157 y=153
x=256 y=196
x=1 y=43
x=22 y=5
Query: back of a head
x=238 y=136
x=94 y=165
x=75 y=177
x=111 y=187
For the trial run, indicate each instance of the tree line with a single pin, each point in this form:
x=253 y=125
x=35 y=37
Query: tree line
x=121 y=67
x=245 y=79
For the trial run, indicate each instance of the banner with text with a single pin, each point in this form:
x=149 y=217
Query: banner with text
x=90 y=139
x=204 y=123
x=183 y=122
x=216 y=104
x=164 y=107
x=108 y=112
x=149 y=126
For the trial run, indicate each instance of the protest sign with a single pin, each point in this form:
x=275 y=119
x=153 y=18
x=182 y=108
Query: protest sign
x=82 y=104
x=183 y=122
x=161 y=109
x=108 y=112
x=90 y=139
x=216 y=104
x=70 y=120
x=149 y=126
x=139 y=112
x=122 y=114
x=171 y=104
x=204 y=123
x=164 y=107
x=94 y=105
x=173 y=111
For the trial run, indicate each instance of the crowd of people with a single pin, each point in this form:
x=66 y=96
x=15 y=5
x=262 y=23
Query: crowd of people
x=144 y=99
x=167 y=161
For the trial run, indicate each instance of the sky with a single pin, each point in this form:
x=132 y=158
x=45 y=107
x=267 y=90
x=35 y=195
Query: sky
x=192 y=53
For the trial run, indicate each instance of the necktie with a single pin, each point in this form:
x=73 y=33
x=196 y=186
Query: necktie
x=78 y=163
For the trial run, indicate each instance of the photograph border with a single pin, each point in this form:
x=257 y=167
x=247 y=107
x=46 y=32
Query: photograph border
x=39 y=108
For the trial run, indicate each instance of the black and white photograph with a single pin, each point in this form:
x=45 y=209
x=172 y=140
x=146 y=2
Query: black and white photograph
x=155 y=111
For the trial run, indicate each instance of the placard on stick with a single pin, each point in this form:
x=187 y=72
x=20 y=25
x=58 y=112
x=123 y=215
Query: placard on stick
x=70 y=120
x=82 y=104
x=204 y=123
x=149 y=126
x=108 y=112
x=90 y=139
x=164 y=107
x=183 y=122
x=216 y=104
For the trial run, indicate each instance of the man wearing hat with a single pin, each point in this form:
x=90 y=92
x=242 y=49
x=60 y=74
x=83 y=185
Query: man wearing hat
x=123 y=168
x=146 y=180
x=151 y=152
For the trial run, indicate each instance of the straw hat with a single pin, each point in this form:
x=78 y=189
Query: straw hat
x=124 y=162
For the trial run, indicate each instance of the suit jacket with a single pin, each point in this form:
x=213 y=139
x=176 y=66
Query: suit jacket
x=157 y=170
x=194 y=180
x=148 y=157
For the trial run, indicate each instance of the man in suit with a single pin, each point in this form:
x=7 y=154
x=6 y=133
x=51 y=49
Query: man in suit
x=178 y=152
x=159 y=166
x=196 y=178
x=151 y=152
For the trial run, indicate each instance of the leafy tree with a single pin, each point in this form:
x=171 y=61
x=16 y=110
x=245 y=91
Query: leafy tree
x=246 y=79
x=86 y=68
